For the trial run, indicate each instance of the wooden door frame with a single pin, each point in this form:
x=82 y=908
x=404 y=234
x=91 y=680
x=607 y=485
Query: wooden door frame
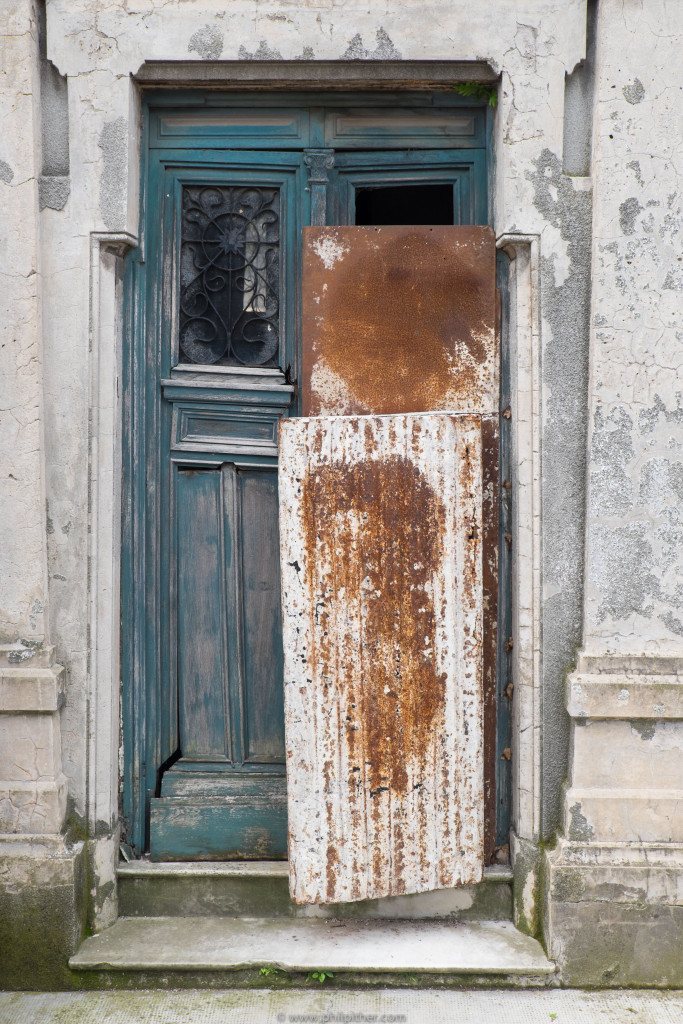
x=140 y=652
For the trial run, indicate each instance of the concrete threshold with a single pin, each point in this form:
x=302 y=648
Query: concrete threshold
x=232 y=944
x=245 y=869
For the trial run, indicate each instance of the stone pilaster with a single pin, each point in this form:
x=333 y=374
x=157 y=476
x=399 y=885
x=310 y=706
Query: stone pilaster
x=41 y=875
x=615 y=880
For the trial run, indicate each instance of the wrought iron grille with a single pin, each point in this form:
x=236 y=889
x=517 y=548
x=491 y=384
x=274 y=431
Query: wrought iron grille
x=230 y=275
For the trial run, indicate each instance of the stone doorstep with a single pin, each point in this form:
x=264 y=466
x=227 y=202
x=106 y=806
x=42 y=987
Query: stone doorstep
x=488 y=948
x=260 y=889
x=244 y=869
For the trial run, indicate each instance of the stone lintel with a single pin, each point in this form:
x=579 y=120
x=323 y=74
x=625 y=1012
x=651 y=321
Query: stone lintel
x=316 y=74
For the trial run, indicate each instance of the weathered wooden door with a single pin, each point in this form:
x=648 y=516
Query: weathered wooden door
x=213 y=364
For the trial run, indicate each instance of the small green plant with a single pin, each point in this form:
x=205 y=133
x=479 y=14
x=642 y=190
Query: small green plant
x=320 y=976
x=553 y=1016
x=267 y=971
x=488 y=93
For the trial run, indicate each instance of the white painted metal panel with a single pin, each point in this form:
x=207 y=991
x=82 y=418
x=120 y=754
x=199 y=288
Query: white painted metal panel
x=380 y=526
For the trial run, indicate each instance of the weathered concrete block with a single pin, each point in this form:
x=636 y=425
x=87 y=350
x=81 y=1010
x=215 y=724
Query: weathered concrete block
x=615 y=882
x=33 y=807
x=41 y=911
x=616 y=923
x=30 y=747
x=31 y=690
x=33 y=788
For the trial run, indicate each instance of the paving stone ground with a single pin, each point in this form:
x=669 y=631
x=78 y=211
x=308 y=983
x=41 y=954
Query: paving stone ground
x=348 y=1007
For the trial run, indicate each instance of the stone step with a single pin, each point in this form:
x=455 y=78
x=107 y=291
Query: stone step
x=476 y=952
x=260 y=889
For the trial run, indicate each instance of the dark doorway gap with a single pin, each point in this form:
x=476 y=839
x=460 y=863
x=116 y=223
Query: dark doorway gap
x=404 y=204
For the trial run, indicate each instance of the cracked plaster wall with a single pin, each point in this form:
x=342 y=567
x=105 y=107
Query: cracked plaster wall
x=23 y=585
x=97 y=46
x=634 y=574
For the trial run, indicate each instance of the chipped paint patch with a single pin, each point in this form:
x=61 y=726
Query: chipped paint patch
x=207 y=42
x=329 y=249
x=634 y=92
x=384 y=48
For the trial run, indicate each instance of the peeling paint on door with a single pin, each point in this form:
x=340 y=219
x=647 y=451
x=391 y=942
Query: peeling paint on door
x=381 y=526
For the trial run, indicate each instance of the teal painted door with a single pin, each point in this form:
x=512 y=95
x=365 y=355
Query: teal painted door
x=212 y=364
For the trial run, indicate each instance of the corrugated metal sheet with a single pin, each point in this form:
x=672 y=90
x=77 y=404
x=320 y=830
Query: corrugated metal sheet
x=380 y=525
x=399 y=319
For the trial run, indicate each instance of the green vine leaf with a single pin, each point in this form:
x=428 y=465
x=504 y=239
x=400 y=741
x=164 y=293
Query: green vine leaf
x=487 y=93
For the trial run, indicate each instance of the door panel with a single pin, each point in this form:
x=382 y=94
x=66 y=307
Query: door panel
x=201 y=621
x=211 y=366
x=262 y=619
x=228 y=266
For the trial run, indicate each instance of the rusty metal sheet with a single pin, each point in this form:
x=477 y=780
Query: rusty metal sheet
x=399 y=319
x=380 y=527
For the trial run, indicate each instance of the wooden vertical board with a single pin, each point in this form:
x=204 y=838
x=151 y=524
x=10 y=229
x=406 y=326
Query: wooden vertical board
x=380 y=527
x=399 y=319
x=263 y=700
x=201 y=627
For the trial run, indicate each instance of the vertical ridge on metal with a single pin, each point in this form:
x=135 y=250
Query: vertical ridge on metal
x=380 y=527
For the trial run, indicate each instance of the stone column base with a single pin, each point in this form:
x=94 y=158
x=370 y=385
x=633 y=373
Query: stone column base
x=42 y=912
x=615 y=913
x=615 y=881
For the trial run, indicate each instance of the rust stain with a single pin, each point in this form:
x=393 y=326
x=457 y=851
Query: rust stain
x=404 y=323
x=389 y=515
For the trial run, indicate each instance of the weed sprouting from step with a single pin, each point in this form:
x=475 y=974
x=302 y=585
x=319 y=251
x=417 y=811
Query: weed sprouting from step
x=319 y=976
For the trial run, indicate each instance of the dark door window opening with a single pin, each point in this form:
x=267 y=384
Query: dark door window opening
x=404 y=204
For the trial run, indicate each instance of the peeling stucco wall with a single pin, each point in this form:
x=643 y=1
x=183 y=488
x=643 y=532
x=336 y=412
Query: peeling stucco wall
x=634 y=594
x=566 y=204
x=23 y=585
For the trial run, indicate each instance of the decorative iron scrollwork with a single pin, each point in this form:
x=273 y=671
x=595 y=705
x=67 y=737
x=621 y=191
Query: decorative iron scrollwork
x=230 y=275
